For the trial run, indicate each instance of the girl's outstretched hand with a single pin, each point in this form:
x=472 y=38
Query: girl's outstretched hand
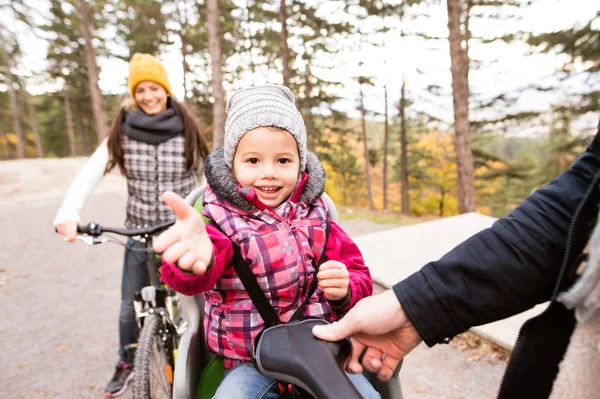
x=186 y=243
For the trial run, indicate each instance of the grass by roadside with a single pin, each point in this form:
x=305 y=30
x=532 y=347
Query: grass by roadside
x=352 y=213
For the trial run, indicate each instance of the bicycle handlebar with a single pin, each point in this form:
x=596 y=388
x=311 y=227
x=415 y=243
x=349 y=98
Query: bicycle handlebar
x=95 y=230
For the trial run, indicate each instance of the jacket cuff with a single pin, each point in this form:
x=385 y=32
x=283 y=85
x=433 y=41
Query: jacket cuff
x=341 y=303
x=190 y=273
x=424 y=309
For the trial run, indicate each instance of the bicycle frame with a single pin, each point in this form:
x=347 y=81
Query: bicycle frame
x=155 y=298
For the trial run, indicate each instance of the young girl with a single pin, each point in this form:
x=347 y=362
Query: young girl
x=156 y=144
x=264 y=193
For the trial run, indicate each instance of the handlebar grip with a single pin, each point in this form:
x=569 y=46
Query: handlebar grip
x=83 y=229
x=92 y=229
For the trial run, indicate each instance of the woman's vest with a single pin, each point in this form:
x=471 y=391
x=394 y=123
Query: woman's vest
x=152 y=169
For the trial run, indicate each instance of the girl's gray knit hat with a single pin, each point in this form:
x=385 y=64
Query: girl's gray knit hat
x=262 y=106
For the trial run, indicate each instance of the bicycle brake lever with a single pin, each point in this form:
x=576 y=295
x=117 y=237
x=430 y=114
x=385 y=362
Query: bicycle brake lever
x=90 y=240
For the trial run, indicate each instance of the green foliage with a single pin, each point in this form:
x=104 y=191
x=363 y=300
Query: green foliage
x=581 y=47
x=67 y=65
x=507 y=168
x=52 y=125
x=336 y=150
x=140 y=25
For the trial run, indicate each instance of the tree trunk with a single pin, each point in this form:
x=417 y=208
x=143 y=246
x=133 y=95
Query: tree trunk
x=467 y=36
x=12 y=98
x=93 y=74
x=183 y=36
x=311 y=129
x=34 y=125
x=69 y=119
x=214 y=46
x=460 y=94
x=386 y=132
x=5 y=147
x=283 y=43
x=366 y=150
x=250 y=47
x=442 y=203
x=403 y=151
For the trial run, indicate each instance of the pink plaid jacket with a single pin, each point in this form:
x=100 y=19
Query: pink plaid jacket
x=280 y=245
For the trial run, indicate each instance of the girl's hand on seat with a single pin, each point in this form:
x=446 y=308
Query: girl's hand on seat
x=334 y=280
x=67 y=228
x=186 y=243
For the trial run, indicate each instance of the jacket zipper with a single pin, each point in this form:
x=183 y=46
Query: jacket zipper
x=565 y=262
x=292 y=231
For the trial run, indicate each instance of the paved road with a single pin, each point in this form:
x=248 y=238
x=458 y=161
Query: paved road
x=58 y=325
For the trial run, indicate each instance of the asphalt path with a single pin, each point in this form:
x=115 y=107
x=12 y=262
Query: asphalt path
x=60 y=301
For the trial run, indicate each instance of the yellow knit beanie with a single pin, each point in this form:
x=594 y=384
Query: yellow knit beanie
x=144 y=67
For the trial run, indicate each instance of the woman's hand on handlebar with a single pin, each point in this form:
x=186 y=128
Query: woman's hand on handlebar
x=186 y=243
x=68 y=229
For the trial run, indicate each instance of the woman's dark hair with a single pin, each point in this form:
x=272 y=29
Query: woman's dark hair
x=196 y=148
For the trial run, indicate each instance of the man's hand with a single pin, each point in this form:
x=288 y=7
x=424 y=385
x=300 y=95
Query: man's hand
x=334 y=280
x=186 y=243
x=379 y=323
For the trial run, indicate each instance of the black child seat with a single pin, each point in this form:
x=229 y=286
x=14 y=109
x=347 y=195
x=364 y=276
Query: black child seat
x=198 y=371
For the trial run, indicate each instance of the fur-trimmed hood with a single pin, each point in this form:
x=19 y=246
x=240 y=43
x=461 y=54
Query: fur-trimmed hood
x=225 y=186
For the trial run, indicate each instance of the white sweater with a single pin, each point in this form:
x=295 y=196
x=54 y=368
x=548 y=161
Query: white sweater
x=87 y=179
x=84 y=183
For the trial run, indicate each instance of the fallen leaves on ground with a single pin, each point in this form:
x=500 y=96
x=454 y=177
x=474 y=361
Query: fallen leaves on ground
x=62 y=348
x=479 y=349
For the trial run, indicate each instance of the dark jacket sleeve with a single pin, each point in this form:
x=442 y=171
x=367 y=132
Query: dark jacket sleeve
x=503 y=270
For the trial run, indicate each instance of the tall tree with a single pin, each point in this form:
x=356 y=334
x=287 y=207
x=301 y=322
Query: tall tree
x=214 y=44
x=341 y=163
x=460 y=94
x=184 y=22
x=12 y=95
x=33 y=124
x=404 y=184
x=93 y=73
x=139 y=24
x=69 y=120
x=285 y=51
x=67 y=67
x=403 y=151
x=581 y=46
x=317 y=40
x=363 y=112
x=386 y=139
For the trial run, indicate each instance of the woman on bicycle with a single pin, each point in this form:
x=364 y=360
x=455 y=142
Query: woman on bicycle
x=156 y=144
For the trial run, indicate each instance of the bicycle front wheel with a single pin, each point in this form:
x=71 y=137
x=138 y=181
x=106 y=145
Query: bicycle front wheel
x=154 y=361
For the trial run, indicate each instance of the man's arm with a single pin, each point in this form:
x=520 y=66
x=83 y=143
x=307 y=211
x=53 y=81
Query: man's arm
x=503 y=270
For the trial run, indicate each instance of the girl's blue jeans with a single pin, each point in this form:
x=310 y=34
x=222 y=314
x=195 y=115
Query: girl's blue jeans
x=243 y=381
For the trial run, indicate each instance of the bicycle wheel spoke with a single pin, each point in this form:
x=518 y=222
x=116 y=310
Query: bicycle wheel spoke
x=158 y=362
x=154 y=376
